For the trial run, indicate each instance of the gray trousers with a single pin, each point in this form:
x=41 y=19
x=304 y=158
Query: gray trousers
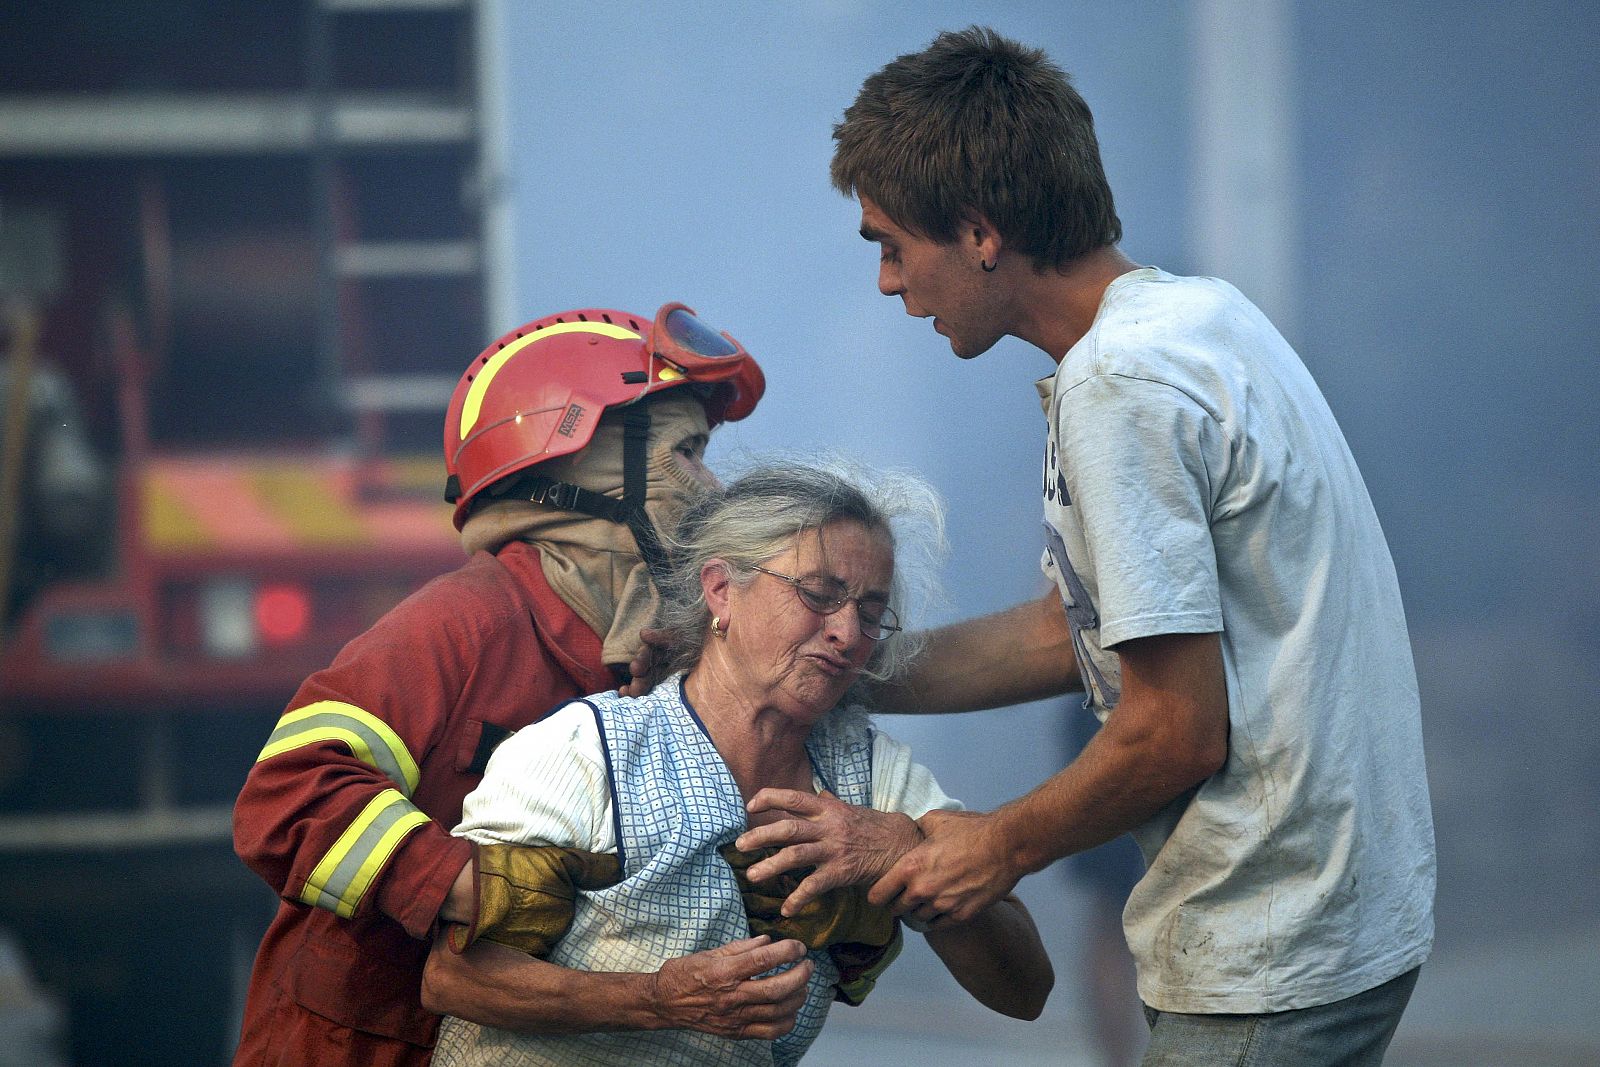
x=1353 y=1032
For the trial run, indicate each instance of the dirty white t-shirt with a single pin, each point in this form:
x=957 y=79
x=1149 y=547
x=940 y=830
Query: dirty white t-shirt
x=1195 y=481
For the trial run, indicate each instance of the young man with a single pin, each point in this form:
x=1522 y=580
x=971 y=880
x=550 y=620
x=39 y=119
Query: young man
x=1230 y=601
x=568 y=442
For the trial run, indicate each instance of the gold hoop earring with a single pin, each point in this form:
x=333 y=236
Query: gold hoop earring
x=717 y=627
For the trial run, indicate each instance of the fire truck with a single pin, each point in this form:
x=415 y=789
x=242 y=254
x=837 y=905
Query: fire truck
x=245 y=248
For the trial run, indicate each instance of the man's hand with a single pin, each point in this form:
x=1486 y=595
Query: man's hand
x=961 y=869
x=716 y=991
x=646 y=664
x=848 y=845
x=1169 y=733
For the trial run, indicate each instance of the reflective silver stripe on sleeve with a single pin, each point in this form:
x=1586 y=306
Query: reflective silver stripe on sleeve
x=369 y=739
x=345 y=873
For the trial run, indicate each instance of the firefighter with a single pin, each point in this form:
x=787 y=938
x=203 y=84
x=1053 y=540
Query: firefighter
x=567 y=444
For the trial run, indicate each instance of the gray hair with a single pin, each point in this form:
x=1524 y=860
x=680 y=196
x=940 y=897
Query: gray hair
x=758 y=516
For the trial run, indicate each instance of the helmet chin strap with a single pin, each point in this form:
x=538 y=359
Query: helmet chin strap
x=635 y=441
x=629 y=511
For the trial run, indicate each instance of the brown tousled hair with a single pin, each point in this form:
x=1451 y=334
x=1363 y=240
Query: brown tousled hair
x=977 y=123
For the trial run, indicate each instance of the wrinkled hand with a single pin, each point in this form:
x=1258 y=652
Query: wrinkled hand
x=716 y=991
x=846 y=844
x=647 y=663
x=960 y=870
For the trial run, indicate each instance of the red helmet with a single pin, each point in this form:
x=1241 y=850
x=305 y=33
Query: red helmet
x=538 y=392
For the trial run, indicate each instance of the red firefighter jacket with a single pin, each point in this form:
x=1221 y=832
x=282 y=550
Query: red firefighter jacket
x=347 y=812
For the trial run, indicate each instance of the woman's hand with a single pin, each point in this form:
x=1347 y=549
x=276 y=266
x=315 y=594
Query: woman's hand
x=716 y=991
x=848 y=845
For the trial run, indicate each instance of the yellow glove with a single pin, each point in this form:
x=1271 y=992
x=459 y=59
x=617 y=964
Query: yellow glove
x=863 y=940
x=526 y=894
x=837 y=916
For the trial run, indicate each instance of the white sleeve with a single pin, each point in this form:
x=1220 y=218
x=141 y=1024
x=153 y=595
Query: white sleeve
x=1144 y=493
x=902 y=785
x=545 y=785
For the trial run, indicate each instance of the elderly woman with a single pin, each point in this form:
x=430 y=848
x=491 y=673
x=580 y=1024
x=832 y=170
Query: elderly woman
x=785 y=597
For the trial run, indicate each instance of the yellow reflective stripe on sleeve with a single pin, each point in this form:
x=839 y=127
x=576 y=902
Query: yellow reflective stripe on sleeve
x=369 y=738
x=347 y=871
x=473 y=402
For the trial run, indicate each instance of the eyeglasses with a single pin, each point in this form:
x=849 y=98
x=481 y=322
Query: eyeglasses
x=825 y=596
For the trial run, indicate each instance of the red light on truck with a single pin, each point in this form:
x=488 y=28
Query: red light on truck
x=283 y=613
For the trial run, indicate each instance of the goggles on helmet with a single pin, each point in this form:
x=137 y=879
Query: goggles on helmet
x=680 y=338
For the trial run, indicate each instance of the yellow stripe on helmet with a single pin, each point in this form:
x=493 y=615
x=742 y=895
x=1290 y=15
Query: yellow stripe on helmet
x=480 y=385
